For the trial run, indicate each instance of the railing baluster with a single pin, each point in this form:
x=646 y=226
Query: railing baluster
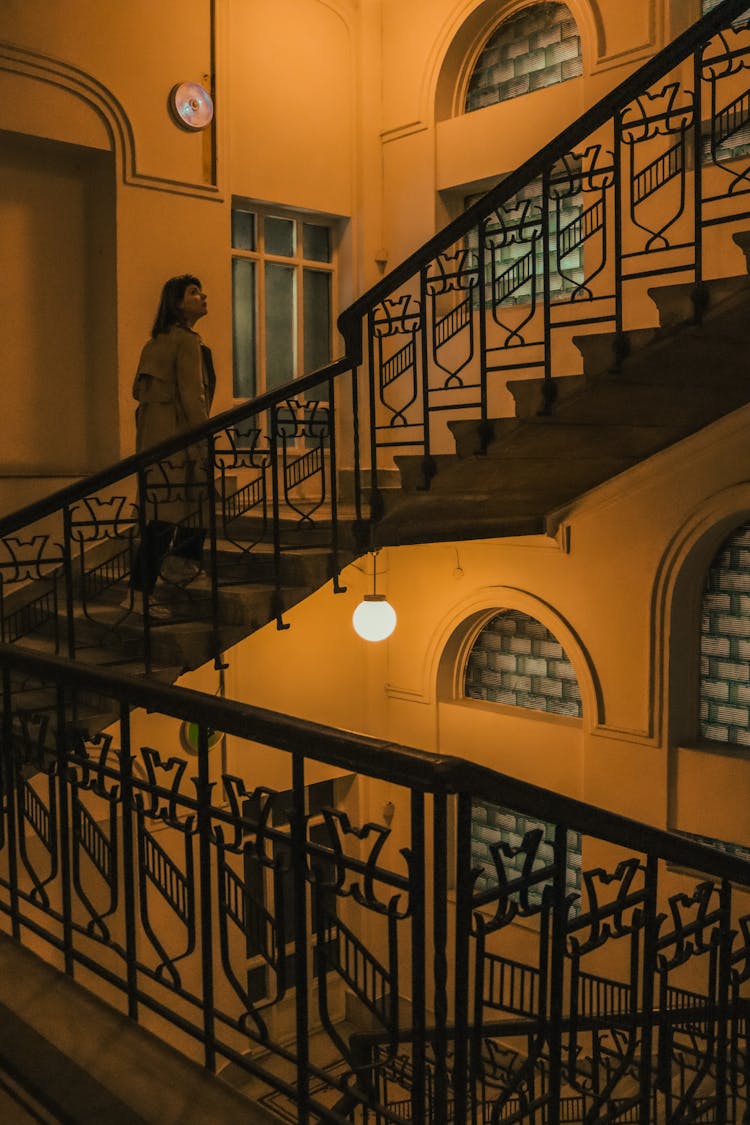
x=299 y=892
x=722 y=1024
x=275 y=469
x=129 y=873
x=549 y=388
x=376 y=502
x=333 y=471
x=418 y=957
x=464 y=1078
x=648 y=974
x=213 y=558
x=64 y=827
x=70 y=635
x=205 y=857
x=697 y=139
x=10 y=766
x=440 y=960
x=424 y=383
x=356 y=443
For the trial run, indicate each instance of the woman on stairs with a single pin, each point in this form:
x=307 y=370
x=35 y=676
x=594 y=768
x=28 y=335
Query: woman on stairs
x=174 y=387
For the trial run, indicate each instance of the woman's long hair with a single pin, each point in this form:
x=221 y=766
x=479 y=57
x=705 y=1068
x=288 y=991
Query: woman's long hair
x=168 y=312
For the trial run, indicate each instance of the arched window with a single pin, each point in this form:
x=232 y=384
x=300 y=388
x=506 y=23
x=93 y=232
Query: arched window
x=537 y=47
x=517 y=661
x=725 y=643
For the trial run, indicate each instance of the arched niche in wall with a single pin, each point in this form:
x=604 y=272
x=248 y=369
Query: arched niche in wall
x=467 y=41
x=544 y=747
x=514 y=686
x=709 y=777
x=475 y=149
x=58 y=158
x=680 y=591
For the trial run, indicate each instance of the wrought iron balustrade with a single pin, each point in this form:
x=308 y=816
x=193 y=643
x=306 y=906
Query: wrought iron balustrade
x=646 y=187
x=249 y=490
x=344 y=970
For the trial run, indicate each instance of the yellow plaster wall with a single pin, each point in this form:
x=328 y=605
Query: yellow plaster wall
x=332 y=107
x=137 y=51
x=98 y=75
x=429 y=146
x=606 y=600
x=293 y=102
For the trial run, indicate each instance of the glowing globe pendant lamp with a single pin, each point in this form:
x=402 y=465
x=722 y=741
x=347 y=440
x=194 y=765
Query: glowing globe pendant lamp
x=374 y=619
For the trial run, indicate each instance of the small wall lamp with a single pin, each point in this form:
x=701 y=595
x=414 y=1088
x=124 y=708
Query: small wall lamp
x=374 y=619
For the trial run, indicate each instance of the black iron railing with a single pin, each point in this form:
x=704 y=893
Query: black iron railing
x=348 y=970
x=645 y=188
x=267 y=490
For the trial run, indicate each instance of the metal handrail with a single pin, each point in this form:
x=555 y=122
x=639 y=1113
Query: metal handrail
x=373 y=757
x=660 y=64
x=350 y=320
x=38 y=509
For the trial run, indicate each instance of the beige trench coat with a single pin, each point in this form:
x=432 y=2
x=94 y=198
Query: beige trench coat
x=173 y=392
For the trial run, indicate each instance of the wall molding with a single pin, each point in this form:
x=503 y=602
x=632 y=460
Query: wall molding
x=448 y=647
x=78 y=83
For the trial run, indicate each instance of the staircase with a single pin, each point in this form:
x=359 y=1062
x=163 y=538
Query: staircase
x=518 y=360
x=510 y=476
x=383 y=995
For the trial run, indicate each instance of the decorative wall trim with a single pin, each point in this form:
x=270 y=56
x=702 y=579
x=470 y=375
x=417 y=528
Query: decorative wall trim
x=678 y=589
x=401 y=131
x=447 y=649
x=79 y=84
x=456 y=47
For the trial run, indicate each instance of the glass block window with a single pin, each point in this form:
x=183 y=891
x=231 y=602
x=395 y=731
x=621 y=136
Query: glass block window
x=492 y=823
x=730 y=144
x=283 y=278
x=564 y=231
x=709 y=5
x=517 y=661
x=725 y=644
x=539 y=46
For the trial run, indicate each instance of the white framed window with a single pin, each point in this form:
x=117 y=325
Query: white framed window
x=283 y=295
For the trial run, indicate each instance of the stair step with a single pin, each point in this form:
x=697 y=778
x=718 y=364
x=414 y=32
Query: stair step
x=527 y=393
x=674 y=302
x=557 y=437
x=742 y=239
x=634 y=403
x=298 y=566
x=597 y=348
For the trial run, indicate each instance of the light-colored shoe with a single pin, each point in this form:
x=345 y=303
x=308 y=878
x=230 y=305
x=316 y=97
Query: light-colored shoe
x=156 y=611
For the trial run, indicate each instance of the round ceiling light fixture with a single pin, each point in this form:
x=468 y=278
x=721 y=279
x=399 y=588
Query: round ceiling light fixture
x=374 y=619
x=191 y=106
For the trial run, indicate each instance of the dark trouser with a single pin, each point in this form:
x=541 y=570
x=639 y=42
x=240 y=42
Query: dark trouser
x=162 y=539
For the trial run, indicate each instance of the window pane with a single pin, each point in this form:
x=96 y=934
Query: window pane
x=316 y=243
x=243 y=230
x=280 y=324
x=243 y=327
x=317 y=312
x=279 y=235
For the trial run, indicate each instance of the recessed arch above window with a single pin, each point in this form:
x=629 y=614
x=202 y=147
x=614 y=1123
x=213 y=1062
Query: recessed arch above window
x=725 y=643
x=537 y=47
x=517 y=661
